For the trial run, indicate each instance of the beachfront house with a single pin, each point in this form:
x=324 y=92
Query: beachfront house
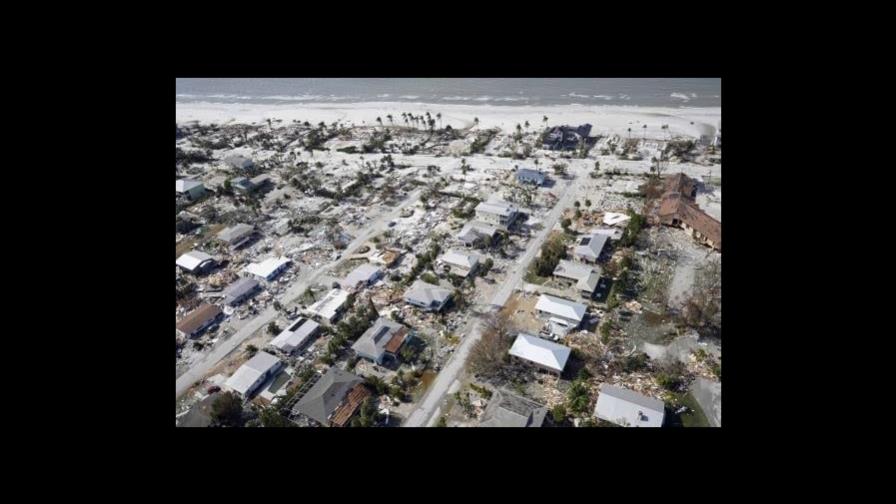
x=427 y=296
x=458 y=263
x=253 y=374
x=527 y=176
x=581 y=276
x=268 y=269
x=330 y=306
x=236 y=236
x=540 y=353
x=562 y=312
x=381 y=340
x=198 y=320
x=196 y=262
x=497 y=212
x=189 y=190
x=239 y=291
x=362 y=276
x=241 y=185
x=333 y=399
x=628 y=408
x=589 y=247
x=296 y=336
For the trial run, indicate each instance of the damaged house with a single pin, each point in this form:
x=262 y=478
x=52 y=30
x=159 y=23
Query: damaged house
x=497 y=212
x=198 y=320
x=677 y=207
x=190 y=190
x=427 y=296
x=566 y=137
x=383 y=339
x=334 y=399
x=458 y=263
x=582 y=276
x=477 y=233
x=236 y=236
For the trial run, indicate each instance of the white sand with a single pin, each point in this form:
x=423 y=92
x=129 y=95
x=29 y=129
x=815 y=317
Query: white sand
x=604 y=119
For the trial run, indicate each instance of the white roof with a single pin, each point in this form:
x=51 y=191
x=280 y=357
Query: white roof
x=460 y=259
x=540 y=351
x=561 y=307
x=627 y=407
x=192 y=259
x=590 y=245
x=497 y=207
x=250 y=373
x=571 y=269
x=611 y=219
x=330 y=304
x=427 y=294
x=363 y=273
x=265 y=268
x=295 y=335
x=184 y=185
x=613 y=234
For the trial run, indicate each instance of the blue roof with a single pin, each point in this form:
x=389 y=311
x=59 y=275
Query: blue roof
x=532 y=175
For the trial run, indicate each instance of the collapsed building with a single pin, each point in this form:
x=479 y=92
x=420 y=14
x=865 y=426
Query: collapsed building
x=677 y=207
x=567 y=137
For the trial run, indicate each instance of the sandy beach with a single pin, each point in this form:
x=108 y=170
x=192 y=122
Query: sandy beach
x=605 y=119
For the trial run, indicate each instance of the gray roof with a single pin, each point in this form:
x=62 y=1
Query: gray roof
x=326 y=395
x=426 y=294
x=496 y=207
x=184 y=185
x=239 y=288
x=473 y=230
x=234 y=233
x=508 y=410
x=590 y=245
x=372 y=343
x=362 y=273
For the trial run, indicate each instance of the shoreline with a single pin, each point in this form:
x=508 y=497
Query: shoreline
x=605 y=119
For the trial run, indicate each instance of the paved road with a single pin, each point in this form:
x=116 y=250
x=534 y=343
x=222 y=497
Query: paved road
x=425 y=415
x=198 y=370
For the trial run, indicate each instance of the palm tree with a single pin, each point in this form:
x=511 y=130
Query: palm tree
x=439 y=116
x=432 y=124
x=629 y=132
x=527 y=124
x=545 y=121
x=476 y=121
x=379 y=121
x=644 y=137
x=389 y=117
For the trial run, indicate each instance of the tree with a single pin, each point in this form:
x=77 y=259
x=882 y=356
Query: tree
x=443 y=422
x=527 y=124
x=578 y=397
x=545 y=121
x=367 y=415
x=476 y=121
x=587 y=203
x=227 y=410
x=251 y=349
x=488 y=355
x=389 y=117
x=559 y=413
x=577 y=204
x=380 y=121
x=439 y=117
x=565 y=223
x=629 y=132
x=273 y=328
x=271 y=417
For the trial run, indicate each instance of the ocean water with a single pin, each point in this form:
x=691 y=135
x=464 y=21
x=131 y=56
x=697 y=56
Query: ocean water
x=653 y=92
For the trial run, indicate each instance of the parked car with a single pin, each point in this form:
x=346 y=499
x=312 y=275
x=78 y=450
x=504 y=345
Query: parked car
x=213 y=389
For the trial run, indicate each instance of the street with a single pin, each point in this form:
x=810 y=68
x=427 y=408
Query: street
x=424 y=414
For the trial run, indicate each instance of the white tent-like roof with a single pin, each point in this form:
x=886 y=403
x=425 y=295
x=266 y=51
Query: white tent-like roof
x=561 y=307
x=459 y=259
x=611 y=219
x=253 y=371
x=266 y=268
x=542 y=352
x=628 y=408
x=330 y=304
x=193 y=259
x=295 y=335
